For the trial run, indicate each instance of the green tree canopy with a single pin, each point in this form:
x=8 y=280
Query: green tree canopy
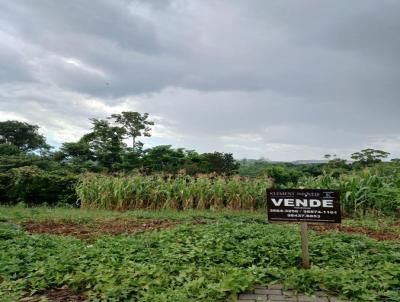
x=221 y=163
x=23 y=135
x=106 y=143
x=104 y=146
x=369 y=156
x=164 y=158
x=135 y=125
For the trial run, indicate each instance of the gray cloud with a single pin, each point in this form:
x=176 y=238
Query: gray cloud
x=279 y=79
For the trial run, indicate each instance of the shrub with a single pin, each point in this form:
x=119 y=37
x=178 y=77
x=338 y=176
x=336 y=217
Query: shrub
x=32 y=186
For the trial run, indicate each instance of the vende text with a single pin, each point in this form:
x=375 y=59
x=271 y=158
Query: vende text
x=310 y=203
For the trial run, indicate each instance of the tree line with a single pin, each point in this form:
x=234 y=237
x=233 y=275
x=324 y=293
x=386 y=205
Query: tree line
x=33 y=172
x=105 y=149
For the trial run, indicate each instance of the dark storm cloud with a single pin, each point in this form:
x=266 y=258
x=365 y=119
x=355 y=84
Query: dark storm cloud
x=44 y=19
x=281 y=79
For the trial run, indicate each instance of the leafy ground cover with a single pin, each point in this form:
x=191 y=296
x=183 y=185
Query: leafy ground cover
x=225 y=254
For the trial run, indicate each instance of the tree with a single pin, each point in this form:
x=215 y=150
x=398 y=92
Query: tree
x=221 y=163
x=193 y=162
x=369 y=156
x=132 y=160
x=135 y=124
x=78 y=155
x=336 y=167
x=104 y=146
x=107 y=144
x=23 y=135
x=327 y=156
x=283 y=175
x=338 y=163
x=80 y=150
x=164 y=158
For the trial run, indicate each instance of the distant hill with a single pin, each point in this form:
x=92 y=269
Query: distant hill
x=296 y=162
x=309 y=161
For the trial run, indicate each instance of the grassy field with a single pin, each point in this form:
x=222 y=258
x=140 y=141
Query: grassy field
x=176 y=256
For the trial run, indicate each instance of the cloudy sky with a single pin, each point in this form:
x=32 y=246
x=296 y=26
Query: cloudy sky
x=279 y=79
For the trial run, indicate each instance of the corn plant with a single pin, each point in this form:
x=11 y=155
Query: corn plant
x=179 y=192
x=361 y=191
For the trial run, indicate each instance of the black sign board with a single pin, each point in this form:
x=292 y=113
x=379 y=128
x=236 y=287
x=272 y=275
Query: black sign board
x=303 y=205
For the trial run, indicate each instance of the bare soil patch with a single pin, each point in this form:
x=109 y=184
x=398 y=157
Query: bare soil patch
x=57 y=295
x=112 y=226
x=378 y=235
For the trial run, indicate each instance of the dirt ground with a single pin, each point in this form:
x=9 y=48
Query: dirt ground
x=116 y=226
x=378 y=235
x=56 y=295
x=97 y=227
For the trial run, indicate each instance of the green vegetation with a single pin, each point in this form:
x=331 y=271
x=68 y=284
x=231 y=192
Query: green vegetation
x=102 y=171
x=369 y=156
x=180 y=192
x=20 y=213
x=190 y=262
x=206 y=252
x=23 y=136
x=31 y=173
x=368 y=190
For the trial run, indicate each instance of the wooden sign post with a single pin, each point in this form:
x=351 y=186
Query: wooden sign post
x=304 y=244
x=303 y=205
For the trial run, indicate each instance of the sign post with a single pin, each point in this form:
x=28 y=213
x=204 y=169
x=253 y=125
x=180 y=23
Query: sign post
x=304 y=244
x=303 y=205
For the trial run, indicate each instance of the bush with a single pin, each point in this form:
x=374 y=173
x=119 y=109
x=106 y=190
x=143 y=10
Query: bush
x=9 y=149
x=5 y=179
x=33 y=186
x=8 y=162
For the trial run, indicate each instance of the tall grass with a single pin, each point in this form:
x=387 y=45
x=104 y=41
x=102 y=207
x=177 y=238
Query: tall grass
x=171 y=192
x=363 y=191
x=368 y=191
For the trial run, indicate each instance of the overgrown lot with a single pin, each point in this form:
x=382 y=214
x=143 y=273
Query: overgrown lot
x=216 y=257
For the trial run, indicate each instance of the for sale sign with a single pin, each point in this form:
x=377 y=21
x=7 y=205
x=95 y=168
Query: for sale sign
x=303 y=205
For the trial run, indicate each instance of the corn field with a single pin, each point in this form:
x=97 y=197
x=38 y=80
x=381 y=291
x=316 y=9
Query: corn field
x=366 y=191
x=180 y=192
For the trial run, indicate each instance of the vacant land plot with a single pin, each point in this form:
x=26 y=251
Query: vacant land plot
x=104 y=226
x=77 y=255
